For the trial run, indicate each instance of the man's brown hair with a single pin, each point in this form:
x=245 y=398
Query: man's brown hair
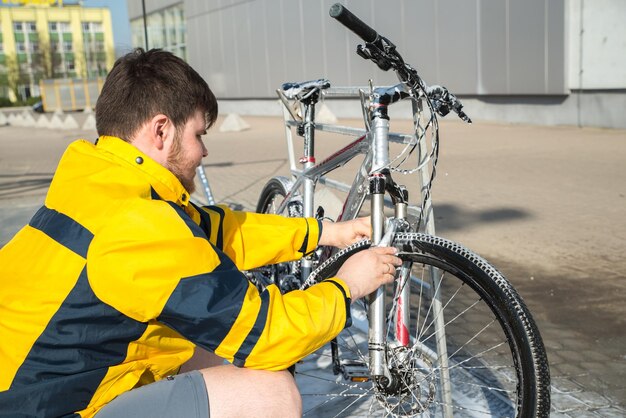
x=144 y=84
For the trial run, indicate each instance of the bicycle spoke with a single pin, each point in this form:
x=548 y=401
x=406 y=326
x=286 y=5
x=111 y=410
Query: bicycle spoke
x=363 y=392
x=349 y=406
x=476 y=356
x=434 y=296
x=358 y=352
x=334 y=381
x=449 y=322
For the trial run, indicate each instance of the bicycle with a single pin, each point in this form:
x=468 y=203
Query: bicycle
x=452 y=336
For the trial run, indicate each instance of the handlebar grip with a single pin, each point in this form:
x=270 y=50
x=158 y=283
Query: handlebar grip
x=349 y=20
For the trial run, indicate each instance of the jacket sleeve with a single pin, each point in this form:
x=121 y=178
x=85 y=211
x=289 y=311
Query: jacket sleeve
x=252 y=239
x=155 y=264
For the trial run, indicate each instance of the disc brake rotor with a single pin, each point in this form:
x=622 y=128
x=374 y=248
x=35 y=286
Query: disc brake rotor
x=411 y=389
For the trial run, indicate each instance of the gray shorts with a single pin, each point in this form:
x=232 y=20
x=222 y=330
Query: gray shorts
x=183 y=395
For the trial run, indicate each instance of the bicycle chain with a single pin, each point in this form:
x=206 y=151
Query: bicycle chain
x=328 y=267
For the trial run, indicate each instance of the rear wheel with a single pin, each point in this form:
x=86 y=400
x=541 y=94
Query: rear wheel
x=284 y=275
x=274 y=193
x=494 y=359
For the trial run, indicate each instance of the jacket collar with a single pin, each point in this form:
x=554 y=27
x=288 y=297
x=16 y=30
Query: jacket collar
x=167 y=186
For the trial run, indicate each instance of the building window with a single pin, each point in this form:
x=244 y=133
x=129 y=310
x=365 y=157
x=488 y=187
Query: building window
x=53 y=26
x=67 y=46
x=18 y=27
x=31 y=27
x=65 y=27
x=20 y=46
x=34 y=46
x=166 y=30
x=69 y=65
x=92 y=27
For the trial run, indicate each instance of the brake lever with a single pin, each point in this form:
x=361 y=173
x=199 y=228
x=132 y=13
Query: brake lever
x=370 y=52
x=382 y=52
x=443 y=102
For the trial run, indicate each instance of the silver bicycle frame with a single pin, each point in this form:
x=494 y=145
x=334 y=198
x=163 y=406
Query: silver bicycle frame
x=373 y=143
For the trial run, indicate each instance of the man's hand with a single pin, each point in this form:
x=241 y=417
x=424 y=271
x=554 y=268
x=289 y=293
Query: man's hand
x=369 y=269
x=342 y=234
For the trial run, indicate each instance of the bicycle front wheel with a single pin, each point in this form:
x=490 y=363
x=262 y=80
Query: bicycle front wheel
x=473 y=349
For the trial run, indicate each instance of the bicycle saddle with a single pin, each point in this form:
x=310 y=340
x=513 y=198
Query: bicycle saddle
x=303 y=89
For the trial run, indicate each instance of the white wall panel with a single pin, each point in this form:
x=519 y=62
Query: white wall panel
x=474 y=47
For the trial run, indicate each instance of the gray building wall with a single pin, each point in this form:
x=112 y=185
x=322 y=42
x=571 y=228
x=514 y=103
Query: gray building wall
x=510 y=60
x=248 y=48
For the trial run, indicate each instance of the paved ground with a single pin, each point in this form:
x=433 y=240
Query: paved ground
x=546 y=205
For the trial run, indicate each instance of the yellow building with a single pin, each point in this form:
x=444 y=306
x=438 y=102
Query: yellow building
x=46 y=39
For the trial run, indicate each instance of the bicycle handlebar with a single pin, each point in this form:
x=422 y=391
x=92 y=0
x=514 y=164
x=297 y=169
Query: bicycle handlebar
x=383 y=52
x=356 y=25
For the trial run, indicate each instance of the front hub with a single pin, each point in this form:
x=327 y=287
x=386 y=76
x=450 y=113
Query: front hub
x=410 y=387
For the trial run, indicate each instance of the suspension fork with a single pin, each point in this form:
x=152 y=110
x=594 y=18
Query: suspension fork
x=377 y=185
x=403 y=282
x=399 y=223
x=379 y=331
x=379 y=182
x=376 y=307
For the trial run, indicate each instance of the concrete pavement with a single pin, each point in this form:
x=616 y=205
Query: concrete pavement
x=544 y=204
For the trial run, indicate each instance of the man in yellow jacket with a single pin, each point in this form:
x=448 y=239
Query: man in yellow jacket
x=119 y=277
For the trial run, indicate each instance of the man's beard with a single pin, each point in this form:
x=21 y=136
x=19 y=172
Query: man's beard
x=178 y=166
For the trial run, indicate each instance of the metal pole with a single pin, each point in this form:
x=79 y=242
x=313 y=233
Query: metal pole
x=581 y=33
x=145 y=24
x=308 y=161
x=435 y=278
x=205 y=185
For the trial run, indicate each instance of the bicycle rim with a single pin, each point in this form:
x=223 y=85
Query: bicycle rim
x=496 y=362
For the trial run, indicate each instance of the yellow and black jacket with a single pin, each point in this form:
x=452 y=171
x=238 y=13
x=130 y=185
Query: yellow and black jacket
x=118 y=277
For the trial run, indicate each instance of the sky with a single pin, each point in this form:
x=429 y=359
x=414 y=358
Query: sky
x=119 y=18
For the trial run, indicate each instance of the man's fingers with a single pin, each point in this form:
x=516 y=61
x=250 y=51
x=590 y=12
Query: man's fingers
x=388 y=255
x=388 y=261
x=384 y=250
x=396 y=261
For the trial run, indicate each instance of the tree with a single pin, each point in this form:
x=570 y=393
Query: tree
x=13 y=75
x=51 y=60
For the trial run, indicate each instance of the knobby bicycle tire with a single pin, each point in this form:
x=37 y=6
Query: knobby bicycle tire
x=497 y=362
x=275 y=189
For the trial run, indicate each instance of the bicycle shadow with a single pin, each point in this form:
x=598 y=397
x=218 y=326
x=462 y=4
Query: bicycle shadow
x=450 y=217
x=13 y=185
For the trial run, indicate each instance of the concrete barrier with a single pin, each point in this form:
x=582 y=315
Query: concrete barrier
x=90 y=123
x=233 y=123
x=70 y=123
x=42 y=122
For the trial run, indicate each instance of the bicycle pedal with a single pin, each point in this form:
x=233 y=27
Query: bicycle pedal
x=355 y=371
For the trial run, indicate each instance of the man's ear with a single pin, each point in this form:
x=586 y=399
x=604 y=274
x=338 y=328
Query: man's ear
x=159 y=130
